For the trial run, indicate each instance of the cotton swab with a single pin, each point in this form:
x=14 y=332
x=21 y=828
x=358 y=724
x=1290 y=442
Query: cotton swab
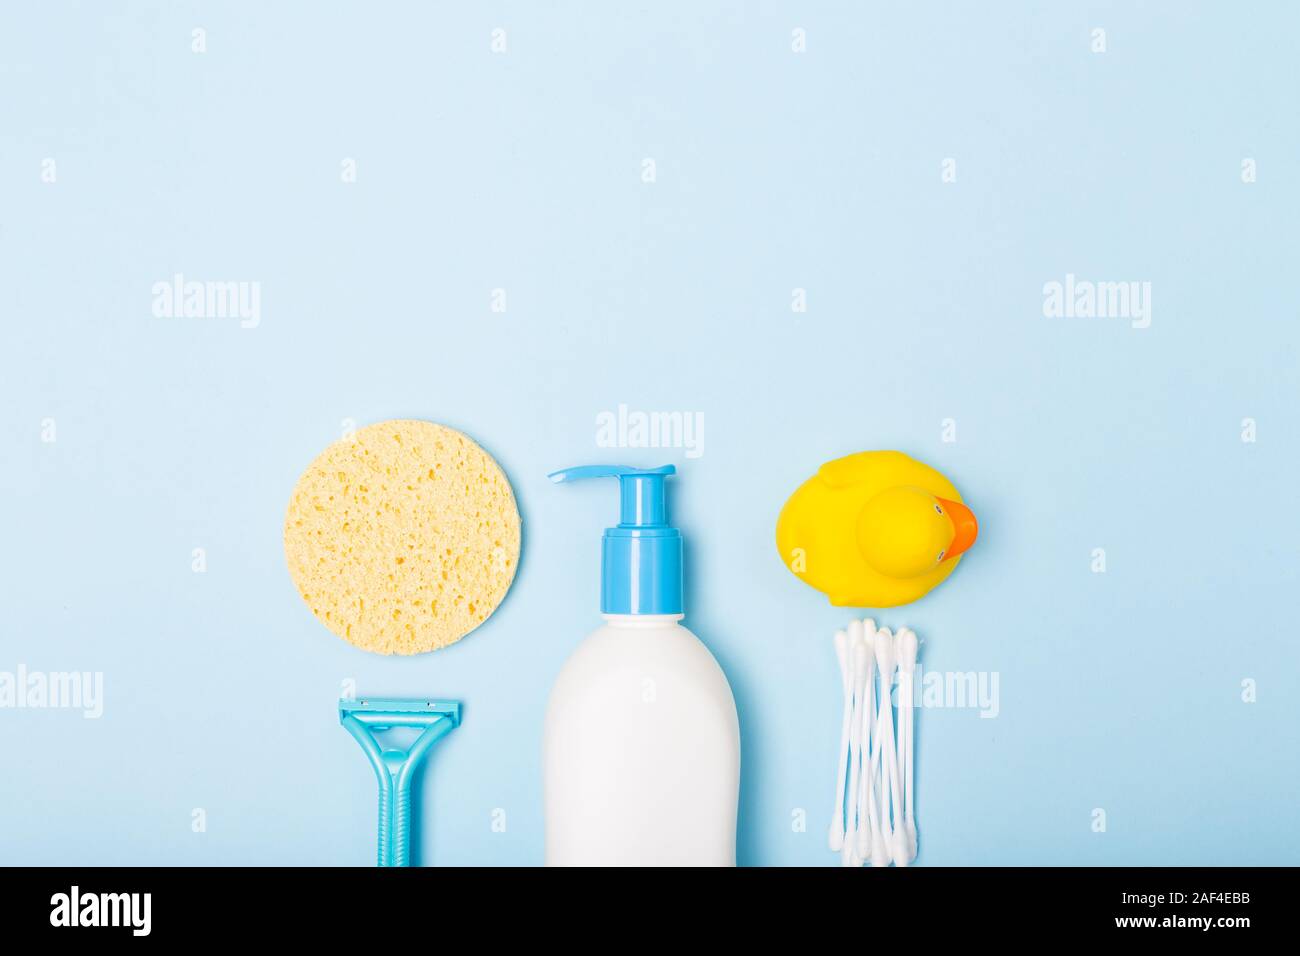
x=835 y=835
x=858 y=665
x=900 y=730
x=885 y=657
x=906 y=716
x=864 y=742
x=879 y=852
x=881 y=836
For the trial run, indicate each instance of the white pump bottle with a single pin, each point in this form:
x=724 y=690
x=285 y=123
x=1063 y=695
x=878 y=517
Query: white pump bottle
x=642 y=746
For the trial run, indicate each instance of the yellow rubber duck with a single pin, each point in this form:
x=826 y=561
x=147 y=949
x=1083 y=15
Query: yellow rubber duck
x=875 y=529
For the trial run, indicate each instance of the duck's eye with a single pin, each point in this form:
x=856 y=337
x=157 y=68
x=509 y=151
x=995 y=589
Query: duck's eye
x=938 y=509
x=941 y=555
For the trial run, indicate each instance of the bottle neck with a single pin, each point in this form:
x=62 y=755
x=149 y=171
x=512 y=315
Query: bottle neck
x=642 y=620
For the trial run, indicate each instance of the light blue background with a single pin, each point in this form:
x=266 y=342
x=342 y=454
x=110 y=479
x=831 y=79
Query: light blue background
x=477 y=171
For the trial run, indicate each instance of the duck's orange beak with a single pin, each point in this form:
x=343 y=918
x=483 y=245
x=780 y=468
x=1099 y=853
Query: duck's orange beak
x=964 y=526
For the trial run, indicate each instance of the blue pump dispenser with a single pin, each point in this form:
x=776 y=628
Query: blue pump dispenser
x=641 y=558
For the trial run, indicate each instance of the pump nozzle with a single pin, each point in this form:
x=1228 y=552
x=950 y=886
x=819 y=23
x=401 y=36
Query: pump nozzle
x=642 y=490
x=641 y=558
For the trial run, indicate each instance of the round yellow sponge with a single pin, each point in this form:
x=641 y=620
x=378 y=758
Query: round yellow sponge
x=402 y=538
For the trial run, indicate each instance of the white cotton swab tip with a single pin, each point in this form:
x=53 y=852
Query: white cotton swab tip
x=900 y=851
x=885 y=656
x=855 y=631
x=835 y=836
x=879 y=852
x=907 y=648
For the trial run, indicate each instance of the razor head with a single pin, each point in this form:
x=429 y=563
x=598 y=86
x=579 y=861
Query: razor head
x=380 y=712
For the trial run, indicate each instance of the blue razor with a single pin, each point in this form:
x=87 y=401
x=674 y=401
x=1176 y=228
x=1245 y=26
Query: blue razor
x=395 y=768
